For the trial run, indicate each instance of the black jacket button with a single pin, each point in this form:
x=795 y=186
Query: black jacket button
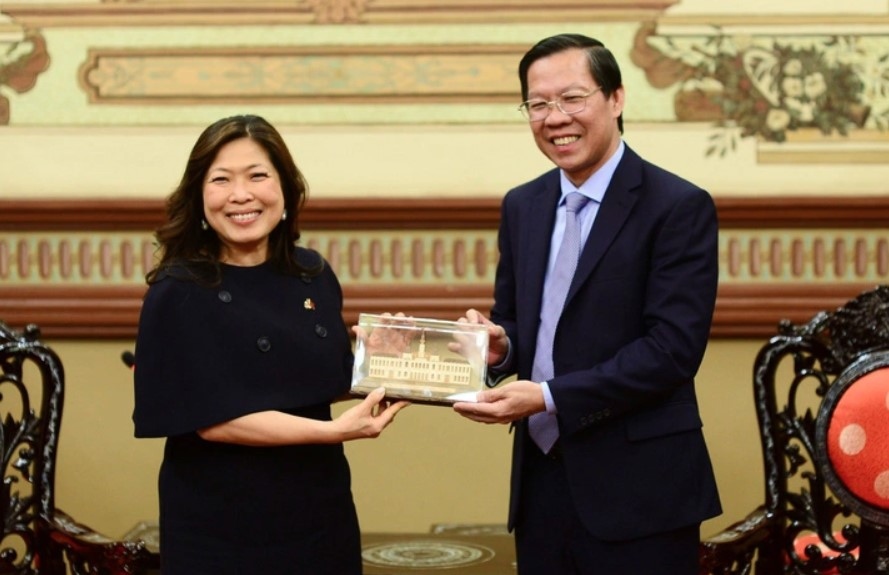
x=264 y=344
x=225 y=297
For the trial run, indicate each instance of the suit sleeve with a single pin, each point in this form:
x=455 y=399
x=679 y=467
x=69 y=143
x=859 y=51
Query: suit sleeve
x=504 y=311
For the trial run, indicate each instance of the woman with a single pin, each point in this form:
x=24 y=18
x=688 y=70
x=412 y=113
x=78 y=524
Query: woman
x=240 y=352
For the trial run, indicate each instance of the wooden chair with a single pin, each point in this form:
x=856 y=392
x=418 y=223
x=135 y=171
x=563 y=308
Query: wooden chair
x=37 y=538
x=822 y=401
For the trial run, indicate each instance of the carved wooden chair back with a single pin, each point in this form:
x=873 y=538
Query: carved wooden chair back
x=37 y=538
x=30 y=416
x=822 y=400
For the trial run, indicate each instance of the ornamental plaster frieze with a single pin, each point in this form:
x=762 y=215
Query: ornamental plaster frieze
x=433 y=257
x=77 y=267
x=326 y=12
x=317 y=75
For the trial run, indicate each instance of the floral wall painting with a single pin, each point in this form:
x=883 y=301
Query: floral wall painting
x=22 y=59
x=769 y=87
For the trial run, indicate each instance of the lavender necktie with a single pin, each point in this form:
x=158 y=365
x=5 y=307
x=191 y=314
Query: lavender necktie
x=543 y=426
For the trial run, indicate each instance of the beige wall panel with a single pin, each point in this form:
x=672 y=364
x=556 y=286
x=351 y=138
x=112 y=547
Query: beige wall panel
x=337 y=161
x=742 y=172
x=409 y=161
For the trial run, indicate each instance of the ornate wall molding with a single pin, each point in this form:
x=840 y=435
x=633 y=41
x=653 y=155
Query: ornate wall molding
x=76 y=267
x=299 y=74
x=263 y=12
x=810 y=146
x=794 y=18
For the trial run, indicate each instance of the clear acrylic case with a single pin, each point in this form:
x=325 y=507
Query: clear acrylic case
x=420 y=360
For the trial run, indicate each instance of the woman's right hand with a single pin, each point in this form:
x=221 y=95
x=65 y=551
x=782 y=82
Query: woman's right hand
x=265 y=428
x=369 y=418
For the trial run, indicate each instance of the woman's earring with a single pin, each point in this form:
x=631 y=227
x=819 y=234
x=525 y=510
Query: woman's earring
x=204 y=225
x=284 y=215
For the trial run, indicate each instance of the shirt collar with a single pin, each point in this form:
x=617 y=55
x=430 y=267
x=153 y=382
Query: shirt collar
x=594 y=187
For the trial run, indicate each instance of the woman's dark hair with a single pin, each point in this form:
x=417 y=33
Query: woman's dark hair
x=603 y=66
x=185 y=246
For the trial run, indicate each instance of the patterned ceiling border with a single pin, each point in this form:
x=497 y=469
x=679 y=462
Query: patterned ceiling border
x=76 y=267
x=263 y=12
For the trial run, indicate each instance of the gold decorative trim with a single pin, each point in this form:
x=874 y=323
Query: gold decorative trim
x=316 y=74
x=813 y=147
x=76 y=267
x=795 y=20
x=265 y=12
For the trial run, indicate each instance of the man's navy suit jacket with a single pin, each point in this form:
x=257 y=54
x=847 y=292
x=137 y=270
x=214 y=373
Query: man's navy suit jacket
x=630 y=339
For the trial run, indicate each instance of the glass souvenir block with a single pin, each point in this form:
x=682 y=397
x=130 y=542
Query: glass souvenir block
x=420 y=360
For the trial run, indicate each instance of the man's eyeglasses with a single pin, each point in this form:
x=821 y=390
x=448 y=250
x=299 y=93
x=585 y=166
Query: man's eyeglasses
x=570 y=104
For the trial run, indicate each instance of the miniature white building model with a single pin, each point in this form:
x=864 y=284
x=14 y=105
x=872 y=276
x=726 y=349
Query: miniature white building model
x=420 y=367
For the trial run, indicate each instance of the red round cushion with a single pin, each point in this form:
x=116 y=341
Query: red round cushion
x=806 y=539
x=858 y=438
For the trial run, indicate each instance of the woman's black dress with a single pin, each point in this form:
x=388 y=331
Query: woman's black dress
x=259 y=341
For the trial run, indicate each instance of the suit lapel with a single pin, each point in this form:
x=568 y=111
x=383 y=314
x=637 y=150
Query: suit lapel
x=616 y=206
x=538 y=219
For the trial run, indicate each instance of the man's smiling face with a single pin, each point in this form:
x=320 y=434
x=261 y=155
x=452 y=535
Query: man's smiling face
x=579 y=143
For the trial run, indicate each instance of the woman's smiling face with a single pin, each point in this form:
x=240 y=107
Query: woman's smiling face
x=243 y=201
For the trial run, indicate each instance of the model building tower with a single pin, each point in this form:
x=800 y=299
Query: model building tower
x=420 y=367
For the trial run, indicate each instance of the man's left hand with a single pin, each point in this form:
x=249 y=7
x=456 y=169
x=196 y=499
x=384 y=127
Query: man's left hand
x=504 y=404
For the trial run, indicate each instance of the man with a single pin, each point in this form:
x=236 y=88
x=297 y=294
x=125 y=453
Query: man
x=607 y=364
